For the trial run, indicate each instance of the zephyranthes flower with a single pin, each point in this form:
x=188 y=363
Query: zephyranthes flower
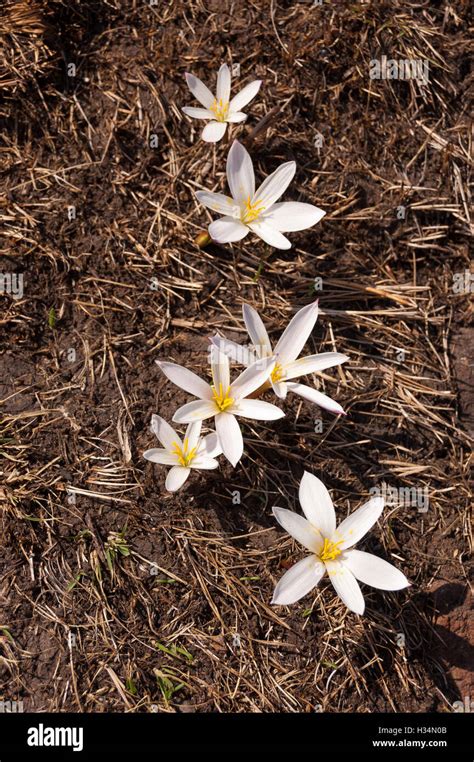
x=332 y=549
x=287 y=367
x=220 y=109
x=224 y=400
x=256 y=210
x=183 y=455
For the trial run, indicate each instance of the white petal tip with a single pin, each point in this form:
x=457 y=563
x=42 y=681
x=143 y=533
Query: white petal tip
x=378 y=502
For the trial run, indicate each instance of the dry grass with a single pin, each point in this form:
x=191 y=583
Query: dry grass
x=167 y=596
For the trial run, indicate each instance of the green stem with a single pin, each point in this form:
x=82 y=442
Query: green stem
x=263 y=259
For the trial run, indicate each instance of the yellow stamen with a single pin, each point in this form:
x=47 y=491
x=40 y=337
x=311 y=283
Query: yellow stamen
x=277 y=373
x=184 y=457
x=220 y=109
x=330 y=550
x=222 y=400
x=250 y=212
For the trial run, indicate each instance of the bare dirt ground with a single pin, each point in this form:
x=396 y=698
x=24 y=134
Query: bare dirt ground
x=116 y=595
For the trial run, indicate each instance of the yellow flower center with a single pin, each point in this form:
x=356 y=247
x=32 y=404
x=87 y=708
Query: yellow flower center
x=222 y=399
x=330 y=550
x=185 y=456
x=250 y=212
x=277 y=373
x=220 y=109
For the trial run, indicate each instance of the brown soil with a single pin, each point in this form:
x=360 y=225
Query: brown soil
x=183 y=622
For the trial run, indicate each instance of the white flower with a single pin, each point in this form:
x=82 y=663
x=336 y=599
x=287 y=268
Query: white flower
x=183 y=455
x=288 y=348
x=331 y=549
x=224 y=400
x=219 y=109
x=256 y=210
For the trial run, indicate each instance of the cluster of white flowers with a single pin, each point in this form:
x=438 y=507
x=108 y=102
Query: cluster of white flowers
x=248 y=209
x=266 y=369
x=226 y=400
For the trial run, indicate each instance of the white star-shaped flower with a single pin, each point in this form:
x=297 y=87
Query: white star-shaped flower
x=286 y=351
x=223 y=400
x=182 y=455
x=257 y=211
x=332 y=549
x=220 y=109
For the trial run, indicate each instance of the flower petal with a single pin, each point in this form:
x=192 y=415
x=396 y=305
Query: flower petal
x=236 y=116
x=346 y=586
x=198 y=113
x=185 y=379
x=214 y=131
x=252 y=377
x=312 y=395
x=193 y=433
x=209 y=446
x=257 y=331
x=240 y=174
x=299 y=528
x=317 y=505
x=223 y=84
x=247 y=93
x=198 y=410
x=280 y=389
x=296 y=333
x=230 y=437
x=158 y=455
x=176 y=478
x=352 y=529
x=258 y=410
x=313 y=364
x=270 y=235
x=218 y=202
x=298 y=581
x=289 y=216
x=227 y=230
x=206 y=464
x=220 y=369
x=199 y=90
x=164 y=432
x=374 y=571
x=236 y=352
x=275 y=185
